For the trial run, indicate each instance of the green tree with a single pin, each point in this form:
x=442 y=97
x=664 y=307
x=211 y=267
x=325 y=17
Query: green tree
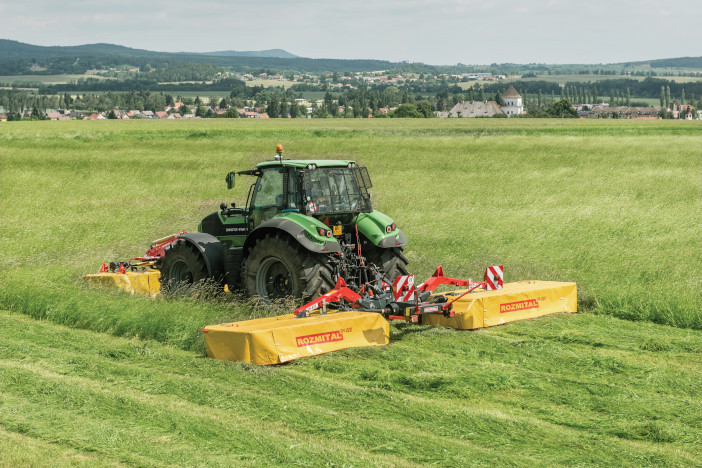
x=562 y=109
x=424 y=108
x=200 y=111
x=223 y=103
x=611 y=98
x=407 y=110
x=184 y=110
x=303 y=110
x=662 y=97
x=667 y=96
x=442 y=100
x=320 y=113
x=329 y=106
x=682 y=99
x=111 y=115
x=273 y=109
x=294 y=110
x=231 y=113
x=628 y=97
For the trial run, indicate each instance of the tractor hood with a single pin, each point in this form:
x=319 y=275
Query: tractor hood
x=378 y=228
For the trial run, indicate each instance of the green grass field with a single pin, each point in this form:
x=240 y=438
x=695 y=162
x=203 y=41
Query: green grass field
x=48 y=79
x=612 y=205
x=270 y=83
x=650 y=101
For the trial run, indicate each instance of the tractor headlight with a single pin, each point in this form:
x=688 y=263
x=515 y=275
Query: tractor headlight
x=311 y=166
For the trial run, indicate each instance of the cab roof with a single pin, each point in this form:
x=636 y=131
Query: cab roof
x=304 y=162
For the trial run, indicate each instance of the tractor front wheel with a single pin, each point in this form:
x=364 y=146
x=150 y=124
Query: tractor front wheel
x=277 y=267
x=182 y=267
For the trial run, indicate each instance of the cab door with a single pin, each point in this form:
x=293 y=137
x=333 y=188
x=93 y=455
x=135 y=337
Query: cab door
x=268 y=196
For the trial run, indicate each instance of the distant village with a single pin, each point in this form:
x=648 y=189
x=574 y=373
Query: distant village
x=511 y=104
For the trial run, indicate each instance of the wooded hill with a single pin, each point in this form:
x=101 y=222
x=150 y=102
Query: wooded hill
x=16 y=58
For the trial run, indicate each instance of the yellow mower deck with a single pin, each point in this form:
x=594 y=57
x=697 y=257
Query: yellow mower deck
x=515 y=301
x=144 y=282
x=276 y=340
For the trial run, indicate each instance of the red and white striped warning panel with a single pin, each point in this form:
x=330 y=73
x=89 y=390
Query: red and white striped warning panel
x=494 y=276
x=403 y=288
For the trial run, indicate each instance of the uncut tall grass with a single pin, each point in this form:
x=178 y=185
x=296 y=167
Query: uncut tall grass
x=612 y=205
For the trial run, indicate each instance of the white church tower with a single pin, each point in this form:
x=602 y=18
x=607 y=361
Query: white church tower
x=513 y=102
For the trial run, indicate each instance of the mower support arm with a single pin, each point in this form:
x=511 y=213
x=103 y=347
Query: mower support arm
x=340 y=291
x=438 y=279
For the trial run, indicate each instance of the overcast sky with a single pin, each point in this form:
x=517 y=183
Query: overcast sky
x=429 y=31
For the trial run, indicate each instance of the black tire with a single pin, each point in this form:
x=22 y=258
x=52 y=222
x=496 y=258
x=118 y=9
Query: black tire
x=277 y=267
x=182 y=267
x=391 y=261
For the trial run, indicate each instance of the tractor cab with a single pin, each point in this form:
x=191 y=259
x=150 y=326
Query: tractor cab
x=314 y=188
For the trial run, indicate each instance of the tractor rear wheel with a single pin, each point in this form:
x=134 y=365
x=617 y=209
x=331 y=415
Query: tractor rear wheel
x=181 y=267
x=390 y=261
x=277 y=267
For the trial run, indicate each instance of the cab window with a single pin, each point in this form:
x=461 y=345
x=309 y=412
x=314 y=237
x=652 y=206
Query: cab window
x=269 y=189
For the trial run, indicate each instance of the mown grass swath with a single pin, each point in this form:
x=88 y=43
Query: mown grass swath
x=561 y=390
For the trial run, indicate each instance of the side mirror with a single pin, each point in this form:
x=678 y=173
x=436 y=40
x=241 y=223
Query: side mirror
x=230 y=180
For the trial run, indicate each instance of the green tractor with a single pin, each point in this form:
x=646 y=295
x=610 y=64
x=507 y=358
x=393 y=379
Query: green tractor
x=304 y=224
